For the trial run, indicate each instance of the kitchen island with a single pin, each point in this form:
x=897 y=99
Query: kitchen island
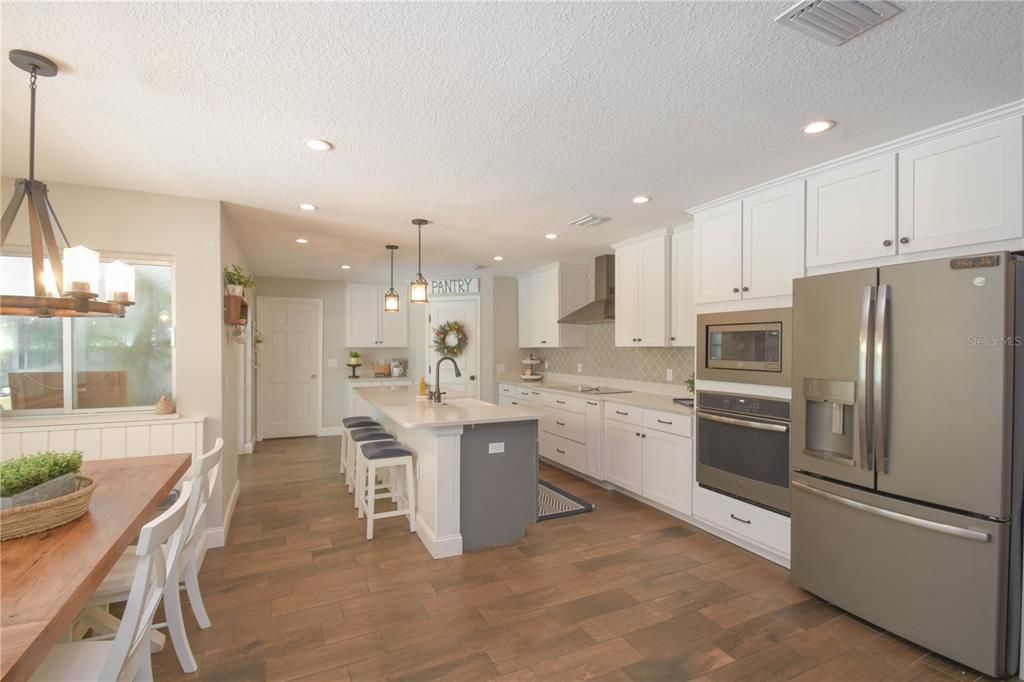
x=475 y=464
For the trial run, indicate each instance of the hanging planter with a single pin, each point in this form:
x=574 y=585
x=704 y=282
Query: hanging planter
x=450 y=338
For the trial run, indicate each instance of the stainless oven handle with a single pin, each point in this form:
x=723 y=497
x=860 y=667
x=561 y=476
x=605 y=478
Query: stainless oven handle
x=863 y=376
x=968 y=533
x=878 y=416
x=762 y=426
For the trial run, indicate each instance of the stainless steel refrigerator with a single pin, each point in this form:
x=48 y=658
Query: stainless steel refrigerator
x=908 y=440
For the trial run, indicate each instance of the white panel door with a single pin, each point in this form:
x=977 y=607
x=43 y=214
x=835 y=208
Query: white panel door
x=622 y=455
x=851 y=212
x=394 y=326
x=667 y=467
x=364 y=310
x=962 y=189
x=773 y=241
x=627 y=317
x=652 y=286
x=544 y=292
x=466 y=311
x=289 y=374
x=525 y=312
x=718 y=254
x=683 y=317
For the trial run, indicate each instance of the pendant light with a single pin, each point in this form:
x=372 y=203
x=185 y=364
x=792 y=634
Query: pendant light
x=391 y=296
x=67 y=282
x=418 y=287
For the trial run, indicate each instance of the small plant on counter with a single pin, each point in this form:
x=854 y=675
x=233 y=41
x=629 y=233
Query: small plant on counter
x=24 y=473
x=237 y=277
x=689 y=383
x=353 y=357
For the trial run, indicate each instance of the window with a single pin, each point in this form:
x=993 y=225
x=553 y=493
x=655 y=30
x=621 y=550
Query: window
x=71 y=364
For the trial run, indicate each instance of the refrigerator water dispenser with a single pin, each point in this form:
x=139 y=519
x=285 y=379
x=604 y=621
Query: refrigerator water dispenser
x=830 y=418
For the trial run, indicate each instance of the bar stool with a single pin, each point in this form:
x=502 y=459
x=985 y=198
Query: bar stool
x=389 y=455
x=357 y=437
x=347 y=424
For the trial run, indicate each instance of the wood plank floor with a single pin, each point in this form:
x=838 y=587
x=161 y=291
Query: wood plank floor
x=623 y=593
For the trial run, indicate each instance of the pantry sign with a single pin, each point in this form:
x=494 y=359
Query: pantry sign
x=456 y=286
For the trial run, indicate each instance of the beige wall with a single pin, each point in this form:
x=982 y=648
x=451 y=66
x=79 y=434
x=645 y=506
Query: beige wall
x=186 y=231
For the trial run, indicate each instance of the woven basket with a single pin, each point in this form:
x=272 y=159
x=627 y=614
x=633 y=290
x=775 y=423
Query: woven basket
x=35 y=518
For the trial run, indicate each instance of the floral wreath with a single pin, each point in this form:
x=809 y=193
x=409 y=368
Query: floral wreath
x=450 y=339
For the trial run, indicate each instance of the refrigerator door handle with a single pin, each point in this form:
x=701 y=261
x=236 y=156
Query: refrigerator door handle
x=879 y=417
x=966 y=533
x=864 y=376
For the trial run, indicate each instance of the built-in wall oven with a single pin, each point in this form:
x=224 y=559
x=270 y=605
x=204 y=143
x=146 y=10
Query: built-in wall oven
x=748 y=346
x=743 y=447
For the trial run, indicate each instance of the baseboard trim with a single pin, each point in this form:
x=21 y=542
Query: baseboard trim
x=218 y=535
x=331 y=431
x=247 y=448
x=439 y=548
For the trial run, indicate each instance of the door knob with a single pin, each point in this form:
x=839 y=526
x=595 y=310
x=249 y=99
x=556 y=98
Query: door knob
x=904 y=240
x=312 y=376
x=887 y=242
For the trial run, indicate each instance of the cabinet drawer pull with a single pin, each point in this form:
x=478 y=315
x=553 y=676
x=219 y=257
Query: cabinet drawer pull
x=534 y=392
x=624 y=414
x=560 y=423
x=746 y=521
x=662 y=421
x=514 y=402
x=561 y=452
x=592 y=403
x=543 y=341
x=560 y=402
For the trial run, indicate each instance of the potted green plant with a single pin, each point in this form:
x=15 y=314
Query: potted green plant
x=689 y=383
x=237 y=280
x=42 y=491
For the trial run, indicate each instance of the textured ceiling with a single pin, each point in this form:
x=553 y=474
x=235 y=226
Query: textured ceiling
x=498 y=121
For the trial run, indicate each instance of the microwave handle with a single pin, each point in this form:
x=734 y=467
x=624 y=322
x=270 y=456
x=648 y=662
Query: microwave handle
x=864 y=359
x=745 y=423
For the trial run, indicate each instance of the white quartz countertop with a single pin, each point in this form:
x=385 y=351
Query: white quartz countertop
x=653 y=401
x=363 y=380
x=401 y=405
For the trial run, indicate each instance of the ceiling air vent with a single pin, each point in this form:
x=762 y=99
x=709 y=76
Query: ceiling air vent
x=833 y=22
x=588 y=221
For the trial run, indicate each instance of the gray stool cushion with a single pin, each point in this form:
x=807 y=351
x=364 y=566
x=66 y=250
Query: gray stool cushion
x=385 y=449
x=370 y=433
x=355 y=422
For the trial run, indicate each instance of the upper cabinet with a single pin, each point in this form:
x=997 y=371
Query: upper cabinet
x=367 y=325
x=545 y=295
x=751 y=248
x=683 y=316
x=851 y=212
x=641 y=290
x=961 y=189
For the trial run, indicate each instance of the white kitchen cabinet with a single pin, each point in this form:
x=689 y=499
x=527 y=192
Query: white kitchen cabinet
x=961 y=189
x=623 y=453
x=683 y=316
x=773 y=241
x=667 y=466
x=368 y=326
x=851 y=212
x=595 y=438
x=718 y=249
x=641 y=291
x=545 y=295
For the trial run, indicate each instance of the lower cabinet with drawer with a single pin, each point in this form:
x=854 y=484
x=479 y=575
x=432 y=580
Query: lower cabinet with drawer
x=563 y=451
x=655 y=463
x=765 y=530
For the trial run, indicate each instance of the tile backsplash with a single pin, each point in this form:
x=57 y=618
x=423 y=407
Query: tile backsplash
x=600 y=357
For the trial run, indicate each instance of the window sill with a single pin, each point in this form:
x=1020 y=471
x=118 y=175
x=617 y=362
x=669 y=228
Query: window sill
x=50 y=420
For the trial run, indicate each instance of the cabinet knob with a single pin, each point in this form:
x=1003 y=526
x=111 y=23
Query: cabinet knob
x=904 y=240
x=637 y=434
x=639 y=340
x=887 y=242
x=735 y=290
x=746 y=288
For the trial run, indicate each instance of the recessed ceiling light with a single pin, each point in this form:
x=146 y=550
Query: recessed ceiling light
x=641 y=199
x=499 y=258
x=551 y=235
x=300 y=240
x=815 y=127
x=346 y=267
x=308 y=207
x=319 y=145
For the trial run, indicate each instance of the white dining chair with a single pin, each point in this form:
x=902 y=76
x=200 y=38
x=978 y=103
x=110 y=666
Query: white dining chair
x=127 y=655
x=183 y=565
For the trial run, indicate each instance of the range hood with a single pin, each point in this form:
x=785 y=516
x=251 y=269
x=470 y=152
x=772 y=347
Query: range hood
x=602 y=308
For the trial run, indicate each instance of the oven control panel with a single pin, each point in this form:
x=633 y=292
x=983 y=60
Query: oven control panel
x=745 y=404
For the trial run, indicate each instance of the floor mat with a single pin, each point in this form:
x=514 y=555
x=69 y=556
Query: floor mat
x=554 y=503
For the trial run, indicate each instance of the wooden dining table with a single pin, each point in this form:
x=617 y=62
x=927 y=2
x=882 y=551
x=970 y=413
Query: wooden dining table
x=46 y=578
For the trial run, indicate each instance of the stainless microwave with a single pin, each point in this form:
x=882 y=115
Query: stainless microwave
x=751 y=346
x=747 y=346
